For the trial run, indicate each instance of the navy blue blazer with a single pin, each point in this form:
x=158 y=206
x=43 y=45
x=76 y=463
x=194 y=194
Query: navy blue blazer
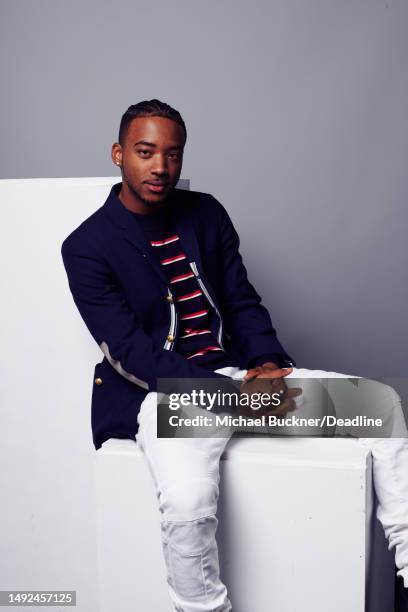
x=125 y=300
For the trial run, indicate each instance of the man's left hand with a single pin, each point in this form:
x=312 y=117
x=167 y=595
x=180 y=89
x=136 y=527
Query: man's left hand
x=272 y=371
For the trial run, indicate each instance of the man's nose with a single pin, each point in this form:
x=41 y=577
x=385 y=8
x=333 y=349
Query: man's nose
x=160 y=165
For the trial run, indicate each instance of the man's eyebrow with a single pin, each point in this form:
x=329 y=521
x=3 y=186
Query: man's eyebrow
x=151 y=144
x=145 y=142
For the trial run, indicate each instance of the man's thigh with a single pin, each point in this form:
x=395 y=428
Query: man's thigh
x=179 y=459
x=352 y=395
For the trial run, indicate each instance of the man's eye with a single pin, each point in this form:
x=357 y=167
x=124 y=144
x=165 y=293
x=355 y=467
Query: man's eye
x=144 y=152
x=175 y=155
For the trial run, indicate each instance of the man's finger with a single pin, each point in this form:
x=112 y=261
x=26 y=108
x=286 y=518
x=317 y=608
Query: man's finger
x=251 y=374
x=260 y=372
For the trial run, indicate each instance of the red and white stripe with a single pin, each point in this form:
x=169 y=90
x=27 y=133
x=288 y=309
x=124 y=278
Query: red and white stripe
x=170 y=260
x=197 y=332
x=194 y=315
x=189 y=296
x=159 y=243
x=204 y=351
x=181 y=277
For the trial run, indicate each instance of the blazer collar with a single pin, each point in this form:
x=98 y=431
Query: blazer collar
x=133 y=232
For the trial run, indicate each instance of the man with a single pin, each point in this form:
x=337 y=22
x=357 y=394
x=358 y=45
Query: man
x=158 y=279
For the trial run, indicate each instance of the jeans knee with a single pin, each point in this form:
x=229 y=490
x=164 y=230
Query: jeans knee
x=191 y=555
x=190 y=500
x=393 y=408
x=190 y=537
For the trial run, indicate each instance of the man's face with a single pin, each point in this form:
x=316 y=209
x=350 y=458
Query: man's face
x=151 y=158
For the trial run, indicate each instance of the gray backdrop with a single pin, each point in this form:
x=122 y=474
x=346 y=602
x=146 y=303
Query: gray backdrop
x=297 y=119
x=297 y=122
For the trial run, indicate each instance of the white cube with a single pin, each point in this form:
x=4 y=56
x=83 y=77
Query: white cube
x=296 y=528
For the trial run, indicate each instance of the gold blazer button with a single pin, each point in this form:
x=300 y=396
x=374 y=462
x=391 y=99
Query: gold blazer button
x=98 y=381
x=170 y=338
x=169 y=298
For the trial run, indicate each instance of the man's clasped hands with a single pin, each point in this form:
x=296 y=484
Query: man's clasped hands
x=270 y=378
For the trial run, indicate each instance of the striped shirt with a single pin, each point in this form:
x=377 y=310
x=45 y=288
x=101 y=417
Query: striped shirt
x=196 y=339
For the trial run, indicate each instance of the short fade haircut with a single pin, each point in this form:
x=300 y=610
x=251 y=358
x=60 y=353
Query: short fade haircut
x=149 y=108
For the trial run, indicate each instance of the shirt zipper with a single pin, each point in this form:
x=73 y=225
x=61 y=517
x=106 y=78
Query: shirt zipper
x=173 y=323
x=200 y=282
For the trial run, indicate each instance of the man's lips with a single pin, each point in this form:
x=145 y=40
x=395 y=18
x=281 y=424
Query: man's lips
x=156 y=186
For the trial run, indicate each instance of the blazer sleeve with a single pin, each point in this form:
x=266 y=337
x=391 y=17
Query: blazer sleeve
x=247 y=321
x=115 y=327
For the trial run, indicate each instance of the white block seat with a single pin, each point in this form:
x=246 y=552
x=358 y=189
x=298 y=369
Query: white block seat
x=296 y=528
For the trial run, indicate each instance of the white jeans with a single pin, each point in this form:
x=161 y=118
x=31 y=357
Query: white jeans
x=186 y=477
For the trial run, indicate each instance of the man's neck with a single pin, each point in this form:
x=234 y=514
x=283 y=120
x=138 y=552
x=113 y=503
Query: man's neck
x=135 y=204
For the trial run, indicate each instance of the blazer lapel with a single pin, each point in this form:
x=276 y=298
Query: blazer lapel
x=134 y=234
x=131 y=231
x=186 y=232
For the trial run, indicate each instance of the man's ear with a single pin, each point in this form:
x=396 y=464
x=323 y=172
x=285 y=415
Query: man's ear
x=116 y=154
